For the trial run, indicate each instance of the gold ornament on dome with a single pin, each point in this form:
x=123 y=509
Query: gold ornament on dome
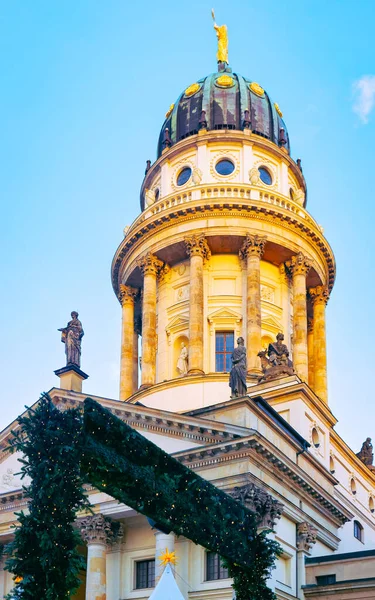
x=256 y=88
x=169 y=111
x=192 y=89
x=222 y=41
x=278 y=110
x=224 y=81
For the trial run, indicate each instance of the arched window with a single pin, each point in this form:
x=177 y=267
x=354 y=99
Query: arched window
x=353 y=486
x=315 y=437
x=358 y=531
x=331 y=465
x=371 y=504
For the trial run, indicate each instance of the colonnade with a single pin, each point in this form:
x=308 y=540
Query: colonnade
x=309 y=337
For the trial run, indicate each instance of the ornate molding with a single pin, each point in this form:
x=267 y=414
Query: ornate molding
x=149 y=263
x=96 y=530
x=267 y=508
x=196 y=245
x=306 y=536
x=253 y=245
x=319 y=294
x=299 y=264
x=127 y=294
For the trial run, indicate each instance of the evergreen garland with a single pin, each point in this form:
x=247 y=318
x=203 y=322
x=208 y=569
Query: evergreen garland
x=130 y=468
x=43 y=555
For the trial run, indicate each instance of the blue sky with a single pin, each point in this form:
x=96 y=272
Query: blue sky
x=85 y=85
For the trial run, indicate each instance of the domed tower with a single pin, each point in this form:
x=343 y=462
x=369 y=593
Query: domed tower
x=224 y=247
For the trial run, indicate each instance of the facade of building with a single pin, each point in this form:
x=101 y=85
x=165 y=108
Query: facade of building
x=223 y=248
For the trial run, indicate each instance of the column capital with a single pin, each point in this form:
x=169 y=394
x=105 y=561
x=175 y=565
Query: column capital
x=96 y=530
x=299 y=264
x=196 y=245
x=127 y=294
x=165 y=273
x=319 y=294
x=253 y=245
x=149 y=263
x=306 y=536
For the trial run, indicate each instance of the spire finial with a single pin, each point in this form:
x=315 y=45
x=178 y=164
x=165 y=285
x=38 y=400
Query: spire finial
x=222 y=43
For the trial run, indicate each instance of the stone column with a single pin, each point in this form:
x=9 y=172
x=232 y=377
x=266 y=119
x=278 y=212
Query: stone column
x=253 y=249
x=163 y=542
x=150 y=266
x=285 y=302
x=306 y=538
x=310 y=350
x=198 y=250
x=95 y=531
x=137 y=333
x=114 y=567
x=319 y=297
x=127 y=296
x=299 y=266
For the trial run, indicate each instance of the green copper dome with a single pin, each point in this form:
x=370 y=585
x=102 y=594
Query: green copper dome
x=223 y=100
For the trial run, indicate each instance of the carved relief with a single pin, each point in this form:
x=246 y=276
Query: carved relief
x=306 y=536
x=8 y=478
x=319 y=294
x=149 y=263
x=267 y=293
x=127 y=294
x=197 y=176
x=299 y=197
x=267 y=508
x=149 y=197
x=254 y=176
x=253 y=244
x=196 y=245
x=299 y=264
x=182 y=293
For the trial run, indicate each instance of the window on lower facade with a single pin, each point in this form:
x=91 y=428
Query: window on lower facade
x=325 y=579
x=224 y=345
x=144 y=574
x=358 y=531
x=214 y=568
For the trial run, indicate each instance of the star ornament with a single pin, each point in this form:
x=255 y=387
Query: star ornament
x=168 y=558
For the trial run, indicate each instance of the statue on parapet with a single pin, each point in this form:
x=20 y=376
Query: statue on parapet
x=278 y=363
x=366 y=454
x=71 y=336
x=237 y=377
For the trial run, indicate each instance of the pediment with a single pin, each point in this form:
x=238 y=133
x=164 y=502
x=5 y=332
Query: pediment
x=226 y=314
x=177 y=323
x=271 y=323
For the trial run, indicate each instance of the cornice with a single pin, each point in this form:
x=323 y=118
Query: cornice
x=352 y=458
x=285 y=394
x=219 y=207
x=255 y=444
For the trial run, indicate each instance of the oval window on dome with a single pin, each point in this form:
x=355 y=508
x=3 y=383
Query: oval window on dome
x=224 y=167
x=265 y=175
x=184 y=176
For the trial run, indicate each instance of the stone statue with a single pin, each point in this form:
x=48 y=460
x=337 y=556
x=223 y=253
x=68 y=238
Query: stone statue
x=222 y=44
x=71 y=336
x=278 y=363
x=278 y=352
x=182 y=362
x=237 y=378
x=366 y=454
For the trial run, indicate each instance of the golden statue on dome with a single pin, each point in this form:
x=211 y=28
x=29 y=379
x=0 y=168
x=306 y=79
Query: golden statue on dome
x=222 y=44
